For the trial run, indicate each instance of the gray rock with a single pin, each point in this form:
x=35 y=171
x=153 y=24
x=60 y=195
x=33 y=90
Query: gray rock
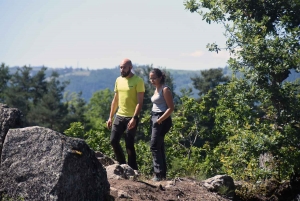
x=117 y=171
x=104 y=160
x=222 y=184
x=40 y=164
x=9 y=118
x=266 y=161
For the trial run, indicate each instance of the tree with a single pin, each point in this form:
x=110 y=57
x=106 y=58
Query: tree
x=38 y=85
x=208 y=80
x=263 y=37
x=4 y=78
x=206 y=84
x=98 y=108
x=50 y=111
x=18 y=93
x=76 y=107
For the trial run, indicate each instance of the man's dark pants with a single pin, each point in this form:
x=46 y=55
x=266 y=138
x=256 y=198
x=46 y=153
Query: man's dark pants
x=118 y=128
x=157 y=144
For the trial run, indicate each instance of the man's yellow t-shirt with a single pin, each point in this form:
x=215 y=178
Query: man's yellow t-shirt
x=127 y=89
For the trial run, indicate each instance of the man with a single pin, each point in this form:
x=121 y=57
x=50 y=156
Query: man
x=128 y=99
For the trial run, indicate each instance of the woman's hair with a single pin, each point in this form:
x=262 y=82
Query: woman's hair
x=159 y=73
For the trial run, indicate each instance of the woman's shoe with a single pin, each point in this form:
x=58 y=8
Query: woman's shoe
x=156 y=178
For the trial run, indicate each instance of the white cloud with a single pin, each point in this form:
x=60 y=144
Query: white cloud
x=197 y=54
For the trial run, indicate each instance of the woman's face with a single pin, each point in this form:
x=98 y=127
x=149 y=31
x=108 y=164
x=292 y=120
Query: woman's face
x=154 y=79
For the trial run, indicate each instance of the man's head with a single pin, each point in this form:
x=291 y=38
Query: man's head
x=125 y=67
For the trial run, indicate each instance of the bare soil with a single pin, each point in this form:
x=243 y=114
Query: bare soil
x=177 y=189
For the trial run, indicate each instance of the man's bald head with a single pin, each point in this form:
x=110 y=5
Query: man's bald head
x=125 y=68
x=126 y=62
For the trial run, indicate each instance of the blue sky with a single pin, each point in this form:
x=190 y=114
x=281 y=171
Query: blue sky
x=98 y=34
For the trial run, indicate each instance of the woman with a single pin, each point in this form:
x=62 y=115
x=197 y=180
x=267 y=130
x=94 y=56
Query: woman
x=161 y=121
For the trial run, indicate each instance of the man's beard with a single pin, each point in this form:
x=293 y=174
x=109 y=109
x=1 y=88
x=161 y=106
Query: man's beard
x=125 y=74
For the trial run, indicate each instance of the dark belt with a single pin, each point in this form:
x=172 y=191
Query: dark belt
x=157 y=113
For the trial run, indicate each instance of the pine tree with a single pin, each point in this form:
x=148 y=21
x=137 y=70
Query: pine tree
x=50 y=111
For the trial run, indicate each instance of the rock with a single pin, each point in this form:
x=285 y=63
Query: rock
x=117 y=171
x=9 y=118
x=222 y=184
x=104 y=160
x=40 y=164
x=266 y=161
x=114 y=171
x=123 y=194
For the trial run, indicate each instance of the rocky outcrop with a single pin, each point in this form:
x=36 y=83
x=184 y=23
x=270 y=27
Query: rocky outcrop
x=9 y=118
x=40 y=164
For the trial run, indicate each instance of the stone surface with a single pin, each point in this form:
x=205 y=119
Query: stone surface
x=9 y=118
x=104 y=160
x=223 y=184
x=123 y=171
x=40 y=164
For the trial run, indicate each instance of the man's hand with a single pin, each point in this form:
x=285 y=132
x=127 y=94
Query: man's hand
x=131 y=124
x=108 y=123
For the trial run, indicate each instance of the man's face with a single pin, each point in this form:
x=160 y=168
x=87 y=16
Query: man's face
x=125 y=69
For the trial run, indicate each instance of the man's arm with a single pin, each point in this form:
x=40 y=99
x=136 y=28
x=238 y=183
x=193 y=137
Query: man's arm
x=113 y=109
x=138 y=108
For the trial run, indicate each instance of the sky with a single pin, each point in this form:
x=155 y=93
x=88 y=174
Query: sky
x=98 y=34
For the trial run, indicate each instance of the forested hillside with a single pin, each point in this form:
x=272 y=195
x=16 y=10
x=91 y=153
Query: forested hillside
x=89 y=81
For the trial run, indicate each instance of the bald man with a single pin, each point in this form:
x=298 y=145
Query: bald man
x=127 y=102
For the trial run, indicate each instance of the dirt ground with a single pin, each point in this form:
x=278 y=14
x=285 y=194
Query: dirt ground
x=177 y=189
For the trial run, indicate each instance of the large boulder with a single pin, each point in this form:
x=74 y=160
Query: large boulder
x=9 y=118
x=40 y=164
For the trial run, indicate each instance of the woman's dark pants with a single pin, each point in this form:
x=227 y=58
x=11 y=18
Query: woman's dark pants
x=157 y=145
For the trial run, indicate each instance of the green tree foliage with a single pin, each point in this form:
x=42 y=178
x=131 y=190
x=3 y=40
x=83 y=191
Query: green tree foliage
x=40 y=98
x=4 y=78
x=188 y=92
x=38 y=85
x=76 y=130
x=76 y=107
x=208 y=80
x=97 y=139
x=263 y=37
x=50 y=111
x=98 y=108
x=18 y=94
x=206 y=84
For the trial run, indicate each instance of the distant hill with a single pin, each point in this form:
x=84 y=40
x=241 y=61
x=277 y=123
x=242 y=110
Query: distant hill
x=89 y=81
